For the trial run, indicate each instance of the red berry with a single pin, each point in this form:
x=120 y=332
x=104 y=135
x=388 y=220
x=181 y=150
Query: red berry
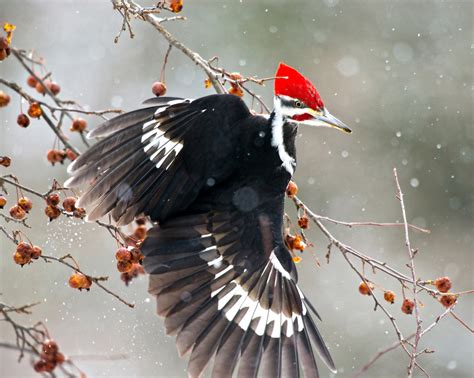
x=40 y=88
x=3 y=43
x=291 y=189
x=35 y=252
x=3 y=54
x=35 y=111
x=303 y=222
x=137 y=256
x=443 y=284
x=448 y=300
x=25 y=203
x=50 y=347
x=52 y=212
x=365 y=289
x=389 y=296
x=69 y=204
x=17 y=212
x=23 y=120
x=79 y=213
x=59 y=358
x=24 y=249
x=40 y=366
x=54 y=87
x=53 y=199
x=123 y=254
x=124 y=266
x=5 y=161
x=407 y=306
x=71 y=155
x=158 y=88
x=79 y=125
x=31 y=81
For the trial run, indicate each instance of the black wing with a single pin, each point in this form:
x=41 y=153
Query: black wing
x=156 y=160
x=225 y=283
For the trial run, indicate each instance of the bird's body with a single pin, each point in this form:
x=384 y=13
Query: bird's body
x=212 y=177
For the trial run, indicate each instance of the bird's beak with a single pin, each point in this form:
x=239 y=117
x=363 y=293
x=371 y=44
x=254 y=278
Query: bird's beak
x=326 y=119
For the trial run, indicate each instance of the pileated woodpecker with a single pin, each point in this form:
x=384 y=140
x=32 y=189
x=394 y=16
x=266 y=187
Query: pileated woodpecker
x=213 y=176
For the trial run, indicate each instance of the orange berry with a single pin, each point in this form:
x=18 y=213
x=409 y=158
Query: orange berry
x=4 y=99
x=443 y=284
x=79 y=125
x=448 y=300
x=299 y=244
x=53 y=199
x=35 y=111
x=25 y=203
x=35 y=252
x=207 y=83
x=407 y=306
x=50 y=347
x=24 y=249
x=365 y=289
x=69 y=204
x=123 y=254
x=236 y=90
x=52 y=212
x=3 y=202
x=289 y=241
x=71 y=155
x=5 y=161
x=16 y=212
x=54 y=88
x=140 y=232
x=23 y=120
x=296 y=259
x=79 y=281
x=303 y=222
x=124 y=266
x=158 y=88
x=21 y=259
x=235 y=76
x=291 y=189
x=176 y=6
x=4 y=43
x=31 y=81
x=3 y=54
x=40 y=88
x=79 y=212
x=59 y=358
x=137 y=256
x=389 y=296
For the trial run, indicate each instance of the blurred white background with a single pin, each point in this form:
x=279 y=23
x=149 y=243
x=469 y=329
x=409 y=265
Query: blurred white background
x=398 y=72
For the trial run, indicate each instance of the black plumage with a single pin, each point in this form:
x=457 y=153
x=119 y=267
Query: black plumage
x=210 y=174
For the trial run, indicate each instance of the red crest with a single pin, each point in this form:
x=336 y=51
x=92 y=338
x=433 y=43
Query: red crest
x=291 y=83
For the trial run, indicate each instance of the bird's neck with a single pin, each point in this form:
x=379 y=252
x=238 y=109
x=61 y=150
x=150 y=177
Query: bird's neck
x=283 y=138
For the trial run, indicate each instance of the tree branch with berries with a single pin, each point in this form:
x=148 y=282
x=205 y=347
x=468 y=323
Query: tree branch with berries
x=42 y=96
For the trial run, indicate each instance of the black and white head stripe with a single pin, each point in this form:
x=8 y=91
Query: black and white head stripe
x=225 y=297
x=140 y=151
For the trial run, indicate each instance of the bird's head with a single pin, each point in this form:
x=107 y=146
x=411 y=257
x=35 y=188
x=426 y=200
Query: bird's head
x=296 y=99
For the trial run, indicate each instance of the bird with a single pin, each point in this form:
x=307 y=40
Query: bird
x=211 y=176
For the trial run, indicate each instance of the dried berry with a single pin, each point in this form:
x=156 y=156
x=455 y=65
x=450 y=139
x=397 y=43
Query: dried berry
x=158 y=88
x=136 y=256
x=52 y=212
x=3 y=202
x=123 y=254
x=407 y=306
x=71 y=155
x=299 y=244
x=389 y=296
x=36 y=252
x=25 y=203
x=79 y=281
x=5 y=161
x=35 y=111
x=448 y=300
x=79 y=125
x=140 y=232
x=50 y=347
x=303 y=222
x=443 y=284
x=49 y=366
x=17 y=212
x=53 y=199
x=176 y=6
x=24 y=249
x=79 y=213
x=54 y=88
x=236 y=90
x=124 y=266
x=40 y=366
x=4 y=99
x=291 y=189
x=23 y=120
x=69 y=204
x=136 y=270
x=21 y=259
x=365 y=288
x=31 y=81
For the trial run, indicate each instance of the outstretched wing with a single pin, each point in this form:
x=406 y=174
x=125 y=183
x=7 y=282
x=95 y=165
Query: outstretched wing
x=152 y=160
x=226 y=285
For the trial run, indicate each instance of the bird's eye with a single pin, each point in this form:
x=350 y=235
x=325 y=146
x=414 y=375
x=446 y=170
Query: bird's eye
x=298 y=104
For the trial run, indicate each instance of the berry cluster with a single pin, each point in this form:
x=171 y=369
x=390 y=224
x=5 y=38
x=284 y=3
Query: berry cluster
x=22 y=207
x=50 y=357
x=58 y=156
x=53 y=210
x=129 y=262
x=41 y=86
x=443 y=284
x=26 y=252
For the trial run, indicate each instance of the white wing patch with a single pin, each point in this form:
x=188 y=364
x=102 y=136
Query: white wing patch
x=288 y=162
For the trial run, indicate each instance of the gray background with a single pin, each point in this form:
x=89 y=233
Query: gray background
x=399 y=72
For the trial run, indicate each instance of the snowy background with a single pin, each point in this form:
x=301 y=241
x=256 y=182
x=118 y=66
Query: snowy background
x=398 y=72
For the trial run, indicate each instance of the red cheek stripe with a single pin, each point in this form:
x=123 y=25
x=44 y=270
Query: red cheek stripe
x=302 y=117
